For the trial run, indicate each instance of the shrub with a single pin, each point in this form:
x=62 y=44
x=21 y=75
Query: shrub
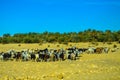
x=114 y=46
x=58 y=45
x=19 y=45
x=70 y=44
x=48 y=45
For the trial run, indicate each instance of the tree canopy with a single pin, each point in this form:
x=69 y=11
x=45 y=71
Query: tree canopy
x=83 y=36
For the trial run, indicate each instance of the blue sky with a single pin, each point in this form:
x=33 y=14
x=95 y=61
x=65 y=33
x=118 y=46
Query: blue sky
x=23 y=16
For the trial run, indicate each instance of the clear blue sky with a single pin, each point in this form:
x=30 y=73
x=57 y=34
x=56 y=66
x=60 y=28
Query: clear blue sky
x=23 y=16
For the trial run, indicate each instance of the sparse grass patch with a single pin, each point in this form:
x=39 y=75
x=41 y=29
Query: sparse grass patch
x=40 y=44
x=94 y=43
x=109 y=43
x=65 y=43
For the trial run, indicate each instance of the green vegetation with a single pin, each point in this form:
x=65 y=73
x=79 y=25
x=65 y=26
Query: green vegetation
x=85 y=36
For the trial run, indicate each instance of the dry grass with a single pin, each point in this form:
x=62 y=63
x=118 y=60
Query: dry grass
x=6 y=47
x=88 y=67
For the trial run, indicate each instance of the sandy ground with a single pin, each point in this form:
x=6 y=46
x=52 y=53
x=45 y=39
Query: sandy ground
x=88 y=67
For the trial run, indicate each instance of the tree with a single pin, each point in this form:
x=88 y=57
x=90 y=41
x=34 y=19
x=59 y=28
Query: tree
x=5 y=40
x=6 y=35
x=83 y=36
x=27 y=40
x=0 y=39
x=108 y=35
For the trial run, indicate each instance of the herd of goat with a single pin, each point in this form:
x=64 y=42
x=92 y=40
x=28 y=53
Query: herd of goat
x=46 y=55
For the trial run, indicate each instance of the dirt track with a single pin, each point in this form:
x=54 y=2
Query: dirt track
x=89 y=67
